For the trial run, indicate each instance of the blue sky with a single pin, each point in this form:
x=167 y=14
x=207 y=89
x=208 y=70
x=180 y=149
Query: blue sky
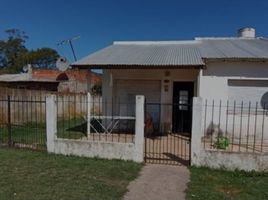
x=100 y=22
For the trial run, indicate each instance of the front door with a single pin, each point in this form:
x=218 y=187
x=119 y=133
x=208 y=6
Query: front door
x=182 y=107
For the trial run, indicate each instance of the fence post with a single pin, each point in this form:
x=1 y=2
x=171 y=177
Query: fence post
x=88 y=113
x=51 y=122
x=196 y=130
x=9 y=121
x=139 y=129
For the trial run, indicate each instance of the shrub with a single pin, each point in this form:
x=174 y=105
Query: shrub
x=222 y=143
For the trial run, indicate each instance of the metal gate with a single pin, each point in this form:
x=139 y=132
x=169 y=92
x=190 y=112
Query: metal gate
x=22 y=122
x=163 y=144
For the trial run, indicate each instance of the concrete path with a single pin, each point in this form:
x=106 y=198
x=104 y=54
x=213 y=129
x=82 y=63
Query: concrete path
x=161 y=182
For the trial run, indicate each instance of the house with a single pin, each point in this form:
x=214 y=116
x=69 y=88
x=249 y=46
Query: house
x=170 y=73
x=71 y=80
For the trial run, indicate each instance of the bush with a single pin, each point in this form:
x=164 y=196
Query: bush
x=222 y=143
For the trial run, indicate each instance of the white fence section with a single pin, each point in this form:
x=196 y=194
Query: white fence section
x=89 y=148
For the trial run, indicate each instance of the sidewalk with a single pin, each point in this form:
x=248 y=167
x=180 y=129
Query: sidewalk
x=159 y=182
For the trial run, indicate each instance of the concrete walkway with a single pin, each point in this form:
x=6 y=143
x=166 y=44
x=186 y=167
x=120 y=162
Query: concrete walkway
x=161 y=182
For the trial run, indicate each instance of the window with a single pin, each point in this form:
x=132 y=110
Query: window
x=183 y=99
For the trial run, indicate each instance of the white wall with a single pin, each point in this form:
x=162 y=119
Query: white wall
x=214 y=79
x=167 y=77
x=214 y=86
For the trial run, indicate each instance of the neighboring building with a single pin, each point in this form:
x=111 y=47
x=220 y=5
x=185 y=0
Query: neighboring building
x=71 y=80
x=172 y=72
x=25 y=81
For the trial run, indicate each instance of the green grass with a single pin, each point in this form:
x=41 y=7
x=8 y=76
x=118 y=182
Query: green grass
x=32 y=175
x=211 y=184
x=74 y=128
x=35 y=133
x=30 y=133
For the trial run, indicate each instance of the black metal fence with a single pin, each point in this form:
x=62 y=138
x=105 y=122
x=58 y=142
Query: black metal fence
x=235 y=126
x=111 y=121
x=167 y=133
x=22 y=122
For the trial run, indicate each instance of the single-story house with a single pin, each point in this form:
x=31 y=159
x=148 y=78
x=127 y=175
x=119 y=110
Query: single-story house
x=170 y=73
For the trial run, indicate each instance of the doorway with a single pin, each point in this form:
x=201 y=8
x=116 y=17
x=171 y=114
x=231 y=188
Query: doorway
x=182 y=107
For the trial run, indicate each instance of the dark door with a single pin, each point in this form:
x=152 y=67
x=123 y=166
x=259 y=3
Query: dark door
x=182 y=107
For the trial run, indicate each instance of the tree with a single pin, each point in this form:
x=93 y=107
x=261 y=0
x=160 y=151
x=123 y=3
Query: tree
x=14 y=55
x=13 y=50
x=43 y=58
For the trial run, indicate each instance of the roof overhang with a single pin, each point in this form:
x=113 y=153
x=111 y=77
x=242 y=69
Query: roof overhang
x=255 y=60
x=134 y=66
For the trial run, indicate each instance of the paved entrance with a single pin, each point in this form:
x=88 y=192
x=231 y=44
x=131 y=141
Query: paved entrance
x=159 y=182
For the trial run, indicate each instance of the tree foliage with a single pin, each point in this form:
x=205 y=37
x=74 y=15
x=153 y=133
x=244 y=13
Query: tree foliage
x=14 y=54
x=43 y=58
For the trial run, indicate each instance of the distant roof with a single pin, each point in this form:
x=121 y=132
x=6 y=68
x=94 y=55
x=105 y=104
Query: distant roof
x=52 y=76
x=21 y=78
x=190 y=53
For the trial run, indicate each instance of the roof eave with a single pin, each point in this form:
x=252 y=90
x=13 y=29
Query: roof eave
x=136 y=66
x=260 y=60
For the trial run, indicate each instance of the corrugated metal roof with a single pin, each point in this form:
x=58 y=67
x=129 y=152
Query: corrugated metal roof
x=153 y=54
x=176 y=53
x=234 y=48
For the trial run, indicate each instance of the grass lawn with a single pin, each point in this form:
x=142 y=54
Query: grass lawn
x=25 y=134
x=34 y=175
x=35 y=133
x=209 y=184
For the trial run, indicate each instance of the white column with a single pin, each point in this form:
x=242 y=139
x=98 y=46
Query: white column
x=88 y=113
x=139 y=129
x=199 y=83
x=51 y=122
x=196 y=139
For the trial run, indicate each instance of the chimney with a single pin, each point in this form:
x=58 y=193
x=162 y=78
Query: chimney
x=247 y=32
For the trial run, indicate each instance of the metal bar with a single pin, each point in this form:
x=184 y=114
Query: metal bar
x=63 y=116
x=89 y=114
x=241 y=121
x=9 y=121
x=233 y=125
x=219 y=123
x=146 y=140
x=227 y=118
x=212 y=122
x=249 y=108
x=262 y=128
x=255 y=126
x=205 y=124
x=69 y=115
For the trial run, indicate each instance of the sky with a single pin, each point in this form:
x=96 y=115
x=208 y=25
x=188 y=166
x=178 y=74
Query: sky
x=100 y=22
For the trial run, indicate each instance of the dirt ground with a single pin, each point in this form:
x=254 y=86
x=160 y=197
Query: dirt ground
x=159 y=182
